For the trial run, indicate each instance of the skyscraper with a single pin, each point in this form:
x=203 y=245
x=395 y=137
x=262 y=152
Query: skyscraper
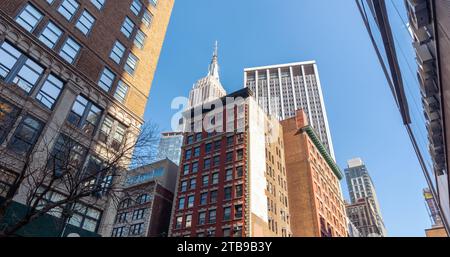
x=170 y=146
x=75 y=77
x=233 y=183
x=283 y=89
x=360 y=186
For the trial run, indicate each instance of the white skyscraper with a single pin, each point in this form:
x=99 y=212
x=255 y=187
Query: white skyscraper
x=283 y=89
x=208 y=88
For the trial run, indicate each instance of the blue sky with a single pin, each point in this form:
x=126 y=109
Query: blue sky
x=363 y=118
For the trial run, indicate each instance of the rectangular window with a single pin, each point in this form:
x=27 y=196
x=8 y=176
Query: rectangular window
x=29 y=75
x=193 y=184
x=207 y=164
x=212 y=216
x=229 y=157
x=139 y=39
x=70 y=50
x=8 y=116
x=121 y=91
x=226 y=232
x=68 y=8
x=239 y=172
x=179 y=222
x=181 y=203
x=50 y=91
x=188 y=154
x=203 y=198
x=127 y=27
x=195 y=167
x=85 y=217
x=138 y=214
x=208 y=148
x=239 y=191
x=227 y=213
x=184 y=185
x=98 y=3
x=205 y=181
x=50 y=35
x=229 y=174
x=118 y=232
x=186 y=169
x=121 y=217
x=117 y=52
x=67 y=155
x=106 y=79
x=213 y=197
x=227 y=193
x=85 y=22
x=136 y=229
x=240 y=155
x=191 y=201
x=26 y=135
x=188 y=221
x=238 y=211
x=215 y=178
x=197 y=152
x=202 y=218
x=85 y=115
x=131 y=64
x=29 y=17
x=9 y=56
x=136 y=7
x=217 y=161
x=147 y=18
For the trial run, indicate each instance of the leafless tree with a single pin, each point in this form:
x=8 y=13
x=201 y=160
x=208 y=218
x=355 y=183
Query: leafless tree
x=72 y=166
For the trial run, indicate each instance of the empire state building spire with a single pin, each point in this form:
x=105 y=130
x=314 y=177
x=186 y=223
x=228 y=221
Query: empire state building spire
x=208 y=88
x=214 y=66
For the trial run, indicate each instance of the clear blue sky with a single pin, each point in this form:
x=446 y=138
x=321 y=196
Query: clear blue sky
x=363 y=118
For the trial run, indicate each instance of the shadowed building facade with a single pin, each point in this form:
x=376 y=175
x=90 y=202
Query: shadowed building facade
x=81 y=67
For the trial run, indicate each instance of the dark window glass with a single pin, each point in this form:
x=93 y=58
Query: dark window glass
x=26 y=135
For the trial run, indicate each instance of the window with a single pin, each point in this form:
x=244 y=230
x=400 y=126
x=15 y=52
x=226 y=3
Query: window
x=136 y=229
x=147 y=18
x=207 y=164
x=26 y=135
x=227 y=213
x=121 y=217
x=188 y=154
x=217 y=145
x=29 y=18
x=9 y=57
x=29 y=75
x=127 y=27
x=230 y=141
x=203 y=198
x=202 y=218
x=213 y=197
x=195 y=167
x=139 y=39
x=179 y=222
x=188 y=221
x=212 y=216
x=143 y=198
x=186 y=169
x=118 y=232
x=191 y=200
x=198 y=137
x=67 y=155
x=117 y=52
x=193 y=184
x=121 y=91
x=106 y=79
x=8 y=115
x=239 y=172
x=85 y=115
x=229 y=174
x=208 y=148
x=239 y=191
x=68 y=8
x=98 y=3
x=240 y=155
x=217 y=161
x=181 y=203
x=227 y=193
x=131 y=64
x=190 y=139
x=197 y=152
x=238 y=211
x=229 y=157
x=50 y=91
x=50 y=35
x=184 y=185
x=85 y=22
x=125 y=203
x=205 y=181
x=85 y=217
x=112 y=132
x=215 y=178
x=138 y=214
x=70 y=50
x=136 y=7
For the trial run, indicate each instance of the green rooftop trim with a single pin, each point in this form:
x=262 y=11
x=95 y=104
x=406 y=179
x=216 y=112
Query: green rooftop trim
x=323 y=151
